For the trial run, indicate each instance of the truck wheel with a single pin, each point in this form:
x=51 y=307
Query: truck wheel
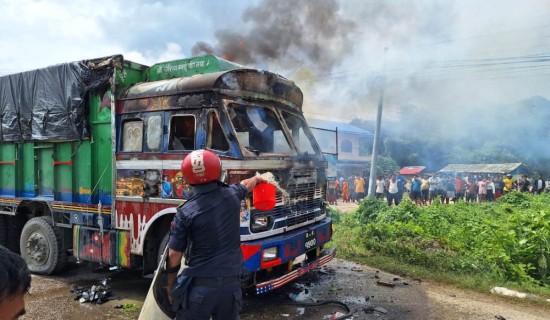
x=3 y=231
x=41 y=246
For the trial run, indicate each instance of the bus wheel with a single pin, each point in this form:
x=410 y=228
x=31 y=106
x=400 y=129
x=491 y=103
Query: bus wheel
x=41 y=246
x=3 y=231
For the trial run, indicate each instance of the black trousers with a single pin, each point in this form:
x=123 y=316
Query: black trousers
x=393 y=197
x=219 y=300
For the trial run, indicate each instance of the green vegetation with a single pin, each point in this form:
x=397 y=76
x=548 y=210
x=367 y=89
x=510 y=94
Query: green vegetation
x=476 y=245
x=130 y=307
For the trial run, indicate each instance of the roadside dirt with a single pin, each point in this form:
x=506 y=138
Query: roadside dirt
x=361 y=288
x=368 y=292
x=50 y=298
x=373 y=294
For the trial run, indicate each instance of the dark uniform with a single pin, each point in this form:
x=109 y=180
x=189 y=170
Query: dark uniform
x=210 y=221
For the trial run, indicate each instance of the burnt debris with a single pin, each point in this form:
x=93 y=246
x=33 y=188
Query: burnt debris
x=96 y=294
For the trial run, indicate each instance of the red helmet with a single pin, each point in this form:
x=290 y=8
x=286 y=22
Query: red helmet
x=201 y=166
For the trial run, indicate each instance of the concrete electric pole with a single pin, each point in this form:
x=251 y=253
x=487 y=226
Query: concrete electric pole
x=374 y=158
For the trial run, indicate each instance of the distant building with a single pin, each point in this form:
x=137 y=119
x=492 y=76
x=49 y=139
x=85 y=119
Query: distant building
x=487 y=168
x=409 y=172
x=353 y=145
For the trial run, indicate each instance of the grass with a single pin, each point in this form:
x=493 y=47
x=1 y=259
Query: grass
x=347 y=238
x=130 y=307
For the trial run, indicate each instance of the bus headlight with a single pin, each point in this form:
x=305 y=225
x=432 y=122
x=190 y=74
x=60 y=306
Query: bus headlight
x=260 y=222
x=269 y=254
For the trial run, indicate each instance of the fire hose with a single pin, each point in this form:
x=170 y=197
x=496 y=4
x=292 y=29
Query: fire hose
x=323 y=302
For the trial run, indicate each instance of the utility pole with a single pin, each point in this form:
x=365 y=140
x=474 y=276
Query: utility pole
x=374 y=157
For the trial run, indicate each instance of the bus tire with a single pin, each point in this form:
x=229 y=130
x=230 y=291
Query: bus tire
x=41 y=246
x=3 y=230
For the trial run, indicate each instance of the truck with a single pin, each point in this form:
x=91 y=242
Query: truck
x=90 y=163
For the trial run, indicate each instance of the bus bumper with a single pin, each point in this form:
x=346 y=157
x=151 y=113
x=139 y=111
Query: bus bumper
x=325 y=257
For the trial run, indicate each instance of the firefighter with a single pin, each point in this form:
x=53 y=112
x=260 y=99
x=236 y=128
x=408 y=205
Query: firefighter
x=206 y=231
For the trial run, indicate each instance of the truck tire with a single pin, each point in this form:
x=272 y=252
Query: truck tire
x=41 y=246
x=3 y=231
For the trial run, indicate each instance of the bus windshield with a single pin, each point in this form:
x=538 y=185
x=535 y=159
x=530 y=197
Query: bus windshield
x=301 y=135
x=259 y=130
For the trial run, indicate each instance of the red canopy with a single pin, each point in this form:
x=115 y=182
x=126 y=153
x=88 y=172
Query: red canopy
x=412 y=170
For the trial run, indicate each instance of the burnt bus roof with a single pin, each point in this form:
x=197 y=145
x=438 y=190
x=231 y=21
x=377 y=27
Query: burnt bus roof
x=244 y=83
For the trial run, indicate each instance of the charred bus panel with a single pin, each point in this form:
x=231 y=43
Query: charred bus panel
x=111 y=195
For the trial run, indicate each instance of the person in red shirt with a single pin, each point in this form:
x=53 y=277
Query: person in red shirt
x=460 y=187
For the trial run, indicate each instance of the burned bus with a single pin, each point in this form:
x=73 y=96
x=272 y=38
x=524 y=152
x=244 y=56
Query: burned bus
x=90 y=156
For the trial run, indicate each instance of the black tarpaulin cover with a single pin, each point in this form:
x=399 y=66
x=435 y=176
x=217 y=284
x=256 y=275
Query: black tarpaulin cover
x=49 y=104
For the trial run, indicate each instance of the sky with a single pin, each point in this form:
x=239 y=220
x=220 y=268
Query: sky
x=436 y=57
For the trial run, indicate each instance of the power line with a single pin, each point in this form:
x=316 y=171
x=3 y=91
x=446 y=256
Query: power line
x=530 y=62
x=479 y=35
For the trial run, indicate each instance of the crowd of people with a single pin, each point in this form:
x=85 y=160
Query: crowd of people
x=355 y=188
x=350 y=190
x=470 y=187
x=423 y=190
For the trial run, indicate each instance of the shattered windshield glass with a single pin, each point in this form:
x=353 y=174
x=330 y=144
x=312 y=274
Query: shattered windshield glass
x=258 y=129
x=303 y=139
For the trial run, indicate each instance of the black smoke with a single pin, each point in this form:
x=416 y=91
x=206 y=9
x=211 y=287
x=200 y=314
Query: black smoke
x=462 y=84
x=286 y=34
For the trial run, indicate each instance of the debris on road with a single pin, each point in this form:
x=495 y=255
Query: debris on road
x=381 y=310
x=97 y=294
x=511 y=293
x=301 y=296
x=375 y=310
x=325 y=270
x=338 y=314
x=385 y=284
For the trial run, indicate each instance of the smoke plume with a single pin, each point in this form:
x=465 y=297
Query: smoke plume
x=456 y=74
x=287 y=35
